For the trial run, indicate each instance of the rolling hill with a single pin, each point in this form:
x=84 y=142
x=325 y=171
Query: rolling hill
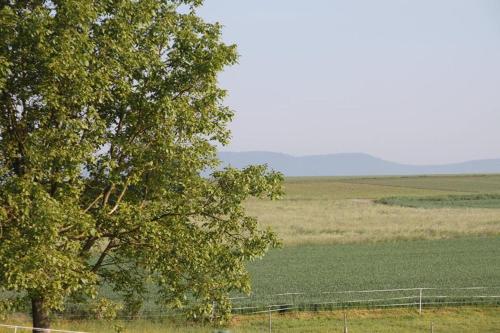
x=350 y=164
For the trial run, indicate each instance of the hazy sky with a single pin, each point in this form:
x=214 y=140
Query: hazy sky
x=414 y=81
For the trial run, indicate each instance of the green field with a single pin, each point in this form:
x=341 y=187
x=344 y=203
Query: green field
x=315 y=268
x=338 y=237
x=452 y=183
x=365 y=233
x=352 y=234
x=446 y=201
x=309 y=274
x=335 y=210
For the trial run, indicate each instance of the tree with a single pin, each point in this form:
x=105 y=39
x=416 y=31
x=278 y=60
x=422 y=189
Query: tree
x=110 y=118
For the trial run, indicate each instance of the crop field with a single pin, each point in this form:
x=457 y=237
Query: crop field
x=335 y=210
x=368 y=233
x=452 y=201
x=309 y=274
x=452 y=183
x=357 y=234
x=313 y=268
x=337 y=236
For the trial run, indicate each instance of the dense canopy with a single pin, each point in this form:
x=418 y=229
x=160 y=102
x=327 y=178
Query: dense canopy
x=110 y=120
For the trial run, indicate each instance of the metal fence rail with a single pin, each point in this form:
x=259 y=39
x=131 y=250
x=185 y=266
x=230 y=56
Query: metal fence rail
x=17 y=328
x=381 y=298
x=418 y=298
x=328 y=300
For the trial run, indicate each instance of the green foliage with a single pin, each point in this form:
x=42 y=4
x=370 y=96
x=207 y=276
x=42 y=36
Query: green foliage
x=105 y=309
x=5 y=308
x=110 y=114
x=452 y=201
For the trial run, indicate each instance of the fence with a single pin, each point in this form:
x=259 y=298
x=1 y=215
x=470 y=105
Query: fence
x=419 y=298
x=19 y=329
x=406 y=297
x=384 y=298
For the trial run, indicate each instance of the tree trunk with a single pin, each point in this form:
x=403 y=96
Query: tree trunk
x=40 y=315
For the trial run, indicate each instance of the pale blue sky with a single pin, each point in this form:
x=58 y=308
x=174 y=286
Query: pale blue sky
x=409 y=81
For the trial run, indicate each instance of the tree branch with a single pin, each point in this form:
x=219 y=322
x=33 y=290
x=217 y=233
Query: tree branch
x=92 y=203
x=182 y=91
x=88 y=245
x=107 y=194
x=110 y=245
x=120 y=197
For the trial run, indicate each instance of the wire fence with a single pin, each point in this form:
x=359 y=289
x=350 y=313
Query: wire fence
x=383 y=298
x=418 y=298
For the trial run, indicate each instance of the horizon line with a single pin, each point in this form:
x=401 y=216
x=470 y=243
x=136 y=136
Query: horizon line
x=358 y=153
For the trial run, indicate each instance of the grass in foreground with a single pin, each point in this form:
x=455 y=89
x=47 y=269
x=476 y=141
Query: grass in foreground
x=386 y=321
x=445 y=320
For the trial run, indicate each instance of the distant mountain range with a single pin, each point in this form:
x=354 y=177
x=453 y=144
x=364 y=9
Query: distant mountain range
x=354 y=164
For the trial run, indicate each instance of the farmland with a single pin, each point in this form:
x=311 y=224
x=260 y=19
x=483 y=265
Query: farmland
x=314 y=268
x=452 y=183
x=338 y=236
x=353 y=234
x=333 y=210
x=452 y=201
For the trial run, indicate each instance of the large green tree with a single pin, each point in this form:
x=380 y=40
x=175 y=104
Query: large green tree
x=110 y=118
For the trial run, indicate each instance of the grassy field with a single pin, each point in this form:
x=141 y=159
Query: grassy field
x=451 y=183
x=318 y=269
x=343 y=233
x=444 y=320
x=482 y=200
x=314 y=268
x=334 y=210
x=337 y=236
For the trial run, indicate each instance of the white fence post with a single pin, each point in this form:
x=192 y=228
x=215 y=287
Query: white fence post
x=420 y=302
x=270 y=321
